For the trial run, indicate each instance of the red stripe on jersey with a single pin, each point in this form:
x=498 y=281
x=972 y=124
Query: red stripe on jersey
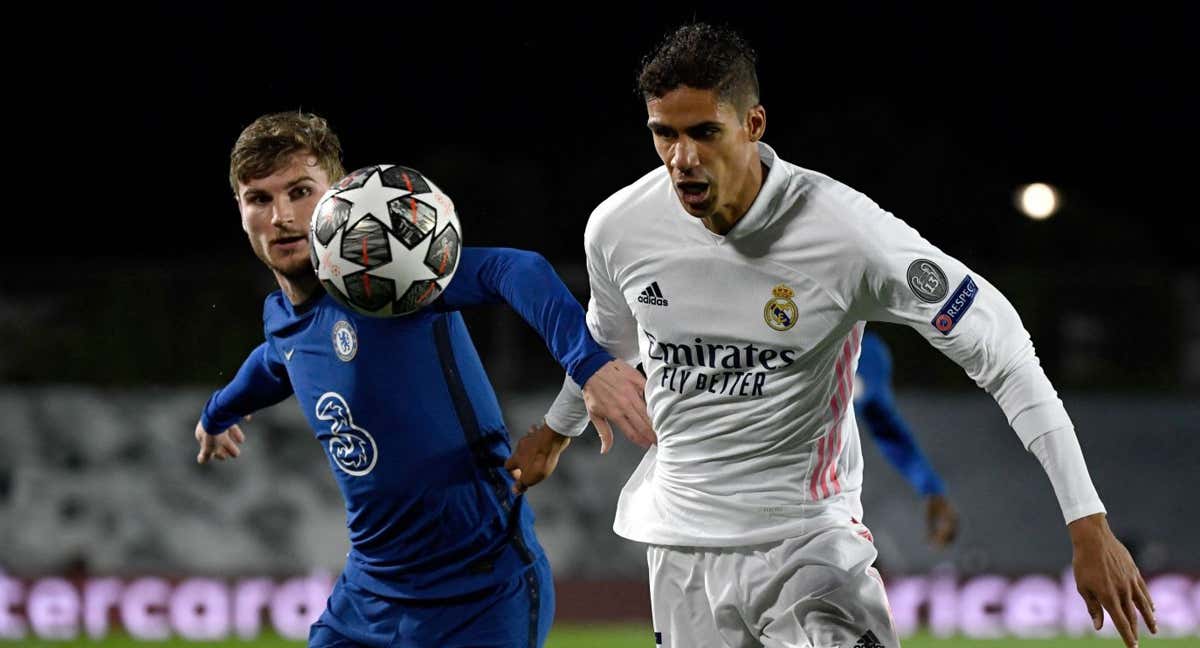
x=838 y=413
x=824 y=479
x=848 y=393
x=839 y=404
x=816 y=472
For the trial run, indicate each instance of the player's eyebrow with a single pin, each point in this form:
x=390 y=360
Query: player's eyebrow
x=659 y=127
x=254 y=191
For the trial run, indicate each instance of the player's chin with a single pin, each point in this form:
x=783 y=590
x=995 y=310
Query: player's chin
x=293 y=264
x=699 y=210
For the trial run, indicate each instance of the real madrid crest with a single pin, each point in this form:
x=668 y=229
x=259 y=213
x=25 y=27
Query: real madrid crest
x=345 y=341
x=780 y=312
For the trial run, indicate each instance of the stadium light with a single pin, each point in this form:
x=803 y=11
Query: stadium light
x=1038 y=200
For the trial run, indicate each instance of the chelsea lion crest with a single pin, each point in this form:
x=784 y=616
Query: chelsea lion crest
x=780 y=312
x=345 y=341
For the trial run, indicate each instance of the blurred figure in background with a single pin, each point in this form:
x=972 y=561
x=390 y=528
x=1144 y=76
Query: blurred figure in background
x=875 y=406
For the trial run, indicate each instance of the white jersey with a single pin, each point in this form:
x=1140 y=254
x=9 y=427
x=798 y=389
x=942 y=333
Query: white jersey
x=750 y=341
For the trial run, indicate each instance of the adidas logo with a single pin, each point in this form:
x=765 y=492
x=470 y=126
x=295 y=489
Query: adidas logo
x=652 y=296
x=869 y=640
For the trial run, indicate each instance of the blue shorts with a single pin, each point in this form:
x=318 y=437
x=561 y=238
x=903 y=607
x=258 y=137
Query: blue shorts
x=516 y=615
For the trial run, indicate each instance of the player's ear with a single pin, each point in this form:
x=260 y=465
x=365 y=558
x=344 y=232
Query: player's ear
x=241 y=214
x=756 y=122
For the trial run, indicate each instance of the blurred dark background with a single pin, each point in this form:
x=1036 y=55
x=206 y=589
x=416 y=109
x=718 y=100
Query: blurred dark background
x=528 y=118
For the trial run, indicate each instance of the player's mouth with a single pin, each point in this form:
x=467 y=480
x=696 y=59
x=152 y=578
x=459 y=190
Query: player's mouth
x=693 y=194
x=288 y=243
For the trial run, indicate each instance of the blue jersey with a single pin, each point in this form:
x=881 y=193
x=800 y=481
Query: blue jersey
x=410 y=423
x=875 y=405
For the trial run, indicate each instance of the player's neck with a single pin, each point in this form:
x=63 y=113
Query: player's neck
x=298 y=289
x=723 y=220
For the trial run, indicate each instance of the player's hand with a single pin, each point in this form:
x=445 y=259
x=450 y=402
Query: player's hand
x=219 y=446
x=616 y=393
x=942 y=520
x=536 y=456
x=1107 y=578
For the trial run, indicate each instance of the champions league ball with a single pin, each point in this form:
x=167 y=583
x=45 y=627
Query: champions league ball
x=385 y=241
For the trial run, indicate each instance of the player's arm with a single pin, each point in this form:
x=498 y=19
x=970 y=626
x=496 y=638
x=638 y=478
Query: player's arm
x=261 y=381
x=876 y=406
x=906 y=279
x=529 y=284
x=619 y=386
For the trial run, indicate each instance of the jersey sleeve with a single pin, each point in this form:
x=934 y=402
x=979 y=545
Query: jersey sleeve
x=528 y=283
x=906 y=279
x=876 y=406
x=261 y=382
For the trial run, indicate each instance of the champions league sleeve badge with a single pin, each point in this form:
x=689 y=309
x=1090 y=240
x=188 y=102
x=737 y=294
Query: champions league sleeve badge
x=780 y=312
x=927 y=281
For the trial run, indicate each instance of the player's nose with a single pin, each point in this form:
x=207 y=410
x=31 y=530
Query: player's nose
x=282 y=212
x=685 y=156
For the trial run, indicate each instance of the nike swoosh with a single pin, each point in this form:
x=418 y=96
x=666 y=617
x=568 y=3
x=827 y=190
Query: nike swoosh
x=287 y=355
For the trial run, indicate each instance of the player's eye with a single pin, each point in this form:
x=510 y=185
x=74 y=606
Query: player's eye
x=301 y=192
x=259 y=199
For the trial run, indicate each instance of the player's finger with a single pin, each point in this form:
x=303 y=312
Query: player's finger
x=639 y=381
x=1141 y=582
x=651 y=438
x=202 y=456
x=1141 y=600
x=247 y=417
x=1130 y=612
x=634 y=429
x=1094 y=609
x=1116 y=611
x=236 y=433
x=641 y=431
x=518 y=487
x=229 y=447
x=605 y=432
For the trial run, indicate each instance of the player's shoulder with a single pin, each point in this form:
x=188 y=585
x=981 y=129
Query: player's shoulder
x=826 y=194
x=274 y=306
x=846 y=214
x=629 y=204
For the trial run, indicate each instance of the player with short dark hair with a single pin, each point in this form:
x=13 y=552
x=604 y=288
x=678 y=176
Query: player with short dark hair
x=742 y=284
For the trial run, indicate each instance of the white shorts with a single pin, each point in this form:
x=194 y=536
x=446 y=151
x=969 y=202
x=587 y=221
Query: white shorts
x=814 y=591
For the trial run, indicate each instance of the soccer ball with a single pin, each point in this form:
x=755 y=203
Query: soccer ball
x=385 y=241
